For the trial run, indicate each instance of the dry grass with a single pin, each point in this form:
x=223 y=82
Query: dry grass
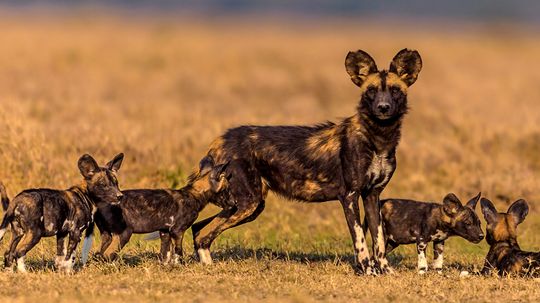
x=160 y=91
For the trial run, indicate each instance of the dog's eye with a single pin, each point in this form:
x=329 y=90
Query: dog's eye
x=371 y=91
x=395 y=91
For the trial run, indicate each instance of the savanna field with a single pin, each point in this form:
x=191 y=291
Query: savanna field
x=161 y=89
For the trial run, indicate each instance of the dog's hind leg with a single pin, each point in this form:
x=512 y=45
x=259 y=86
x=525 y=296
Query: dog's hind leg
x=61 y=248
x=222 y=222
x=30 y=239
x=165 y=252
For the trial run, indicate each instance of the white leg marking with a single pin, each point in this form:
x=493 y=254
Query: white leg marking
x=176 y=259
x=20 y=265
x=204 y=256
x=360 y=243
x=438 y=262
x=422 y=262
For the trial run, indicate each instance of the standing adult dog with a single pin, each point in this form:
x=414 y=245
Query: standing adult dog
x=354 y=158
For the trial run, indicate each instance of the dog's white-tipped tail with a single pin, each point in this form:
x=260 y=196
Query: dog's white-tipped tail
x=87 y=245
x=152 y=236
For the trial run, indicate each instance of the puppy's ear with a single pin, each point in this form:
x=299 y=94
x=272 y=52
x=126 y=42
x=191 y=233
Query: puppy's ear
x=88 y=166
x=206 y=165
x=407 y=65
x=489 y=211
x=472 y=202
x=359 y=65
x=519 y=210
x=116 y=162
x=451 y=204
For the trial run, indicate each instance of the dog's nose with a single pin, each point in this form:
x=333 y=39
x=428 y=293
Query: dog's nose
x=481 y=236
x=119 y=195
x=383 y=107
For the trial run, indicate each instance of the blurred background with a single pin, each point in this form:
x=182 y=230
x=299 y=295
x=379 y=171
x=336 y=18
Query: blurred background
x=159 y=80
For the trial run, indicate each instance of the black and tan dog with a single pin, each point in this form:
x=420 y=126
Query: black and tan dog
x=505 y=257
x=169 y=211
x=408 y=222
x=37 y=213
x=354 y=158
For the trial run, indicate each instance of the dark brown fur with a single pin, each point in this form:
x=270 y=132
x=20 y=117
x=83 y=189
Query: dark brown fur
x=408 y=222
x=37 y=213
x=505 y=256
x=169 y=211
x=354 y=158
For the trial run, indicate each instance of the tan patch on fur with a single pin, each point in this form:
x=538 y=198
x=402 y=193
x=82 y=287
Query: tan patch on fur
x=324 y=142
x=394 y=80
x=505 y=228
x=216 y=148
x=371 y=80
x=311 y=187
x=201 y=185
x=387 y=209
x=113 y=247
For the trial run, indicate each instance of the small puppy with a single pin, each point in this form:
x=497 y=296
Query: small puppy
x=37 y=213
x=408 y=221
x=505 y=256
x=167 y=211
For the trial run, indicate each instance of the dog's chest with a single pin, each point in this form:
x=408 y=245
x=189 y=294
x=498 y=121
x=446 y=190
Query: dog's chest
x=379 y=170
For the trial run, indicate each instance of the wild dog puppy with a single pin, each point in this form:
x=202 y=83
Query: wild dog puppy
x=169 y=211
x=37 y=213
x=408 y=222
x=345 y=161
x=505 y=256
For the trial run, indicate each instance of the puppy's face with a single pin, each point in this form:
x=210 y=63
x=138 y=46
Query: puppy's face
x=463 y=220
x=501 y=227
x=101 y=181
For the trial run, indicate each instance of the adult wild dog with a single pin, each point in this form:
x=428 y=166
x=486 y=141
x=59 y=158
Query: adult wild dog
x=169 y=211
x=505 y=256
x=354 y=158
x=37 y=213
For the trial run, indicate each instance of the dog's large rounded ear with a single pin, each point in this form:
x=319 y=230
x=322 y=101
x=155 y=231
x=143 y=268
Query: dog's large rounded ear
x=519 y=210
x=472 y=202
x=451 y=204
x=116 y=162
x=359 y=65
x=88 y=166
x=489 y=211
x=206 y=165
x=407 y=65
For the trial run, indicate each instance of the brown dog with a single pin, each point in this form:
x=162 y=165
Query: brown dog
x=37 y=213
x=505 y=256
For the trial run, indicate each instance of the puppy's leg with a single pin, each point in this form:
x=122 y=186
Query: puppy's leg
x=438 y=250
x=30 y=239
x=165 y=252
x=422 y=262
x=69 y=259
x=60 y=249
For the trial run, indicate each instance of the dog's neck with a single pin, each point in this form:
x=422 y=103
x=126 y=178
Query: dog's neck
x=84 y=196
x=383 y=135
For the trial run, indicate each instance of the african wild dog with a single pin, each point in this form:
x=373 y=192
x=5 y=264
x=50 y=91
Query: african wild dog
x=505 y=256
x=354 y=158
x=408 y=221
x=169 y=211
x=37 y=213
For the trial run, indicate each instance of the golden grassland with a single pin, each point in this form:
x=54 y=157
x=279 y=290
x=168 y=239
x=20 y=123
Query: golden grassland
x=161 y=90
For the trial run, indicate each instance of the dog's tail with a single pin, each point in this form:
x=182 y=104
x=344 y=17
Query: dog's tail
x=4 y=197
x=87 y=244
x=8 y=215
